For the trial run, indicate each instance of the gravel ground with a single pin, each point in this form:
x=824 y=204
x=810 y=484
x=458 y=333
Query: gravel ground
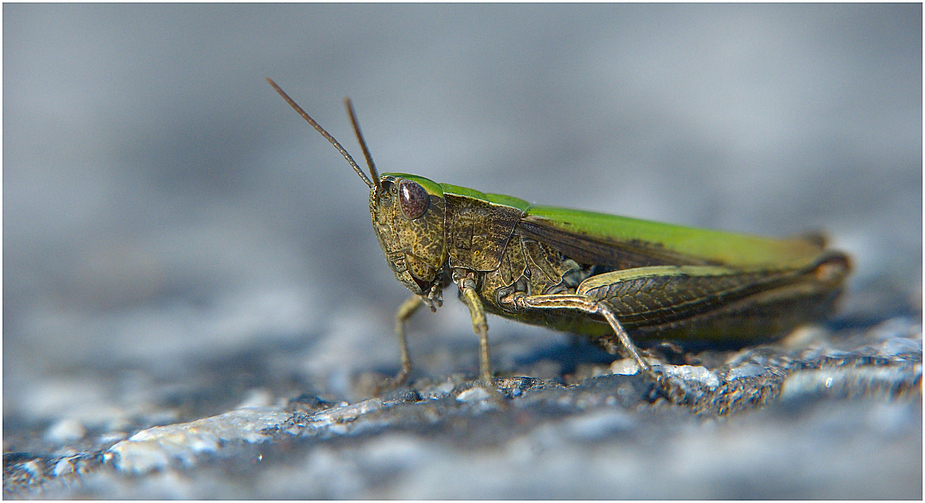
x=814 y=422
x=194 y=305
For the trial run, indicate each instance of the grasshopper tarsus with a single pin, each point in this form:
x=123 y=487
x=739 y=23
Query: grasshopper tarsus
x=667 y=387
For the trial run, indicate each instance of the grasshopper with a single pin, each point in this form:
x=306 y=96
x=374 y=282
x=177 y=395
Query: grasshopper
x=599 y=275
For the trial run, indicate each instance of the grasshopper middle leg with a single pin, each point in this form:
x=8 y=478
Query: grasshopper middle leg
x=480 y=326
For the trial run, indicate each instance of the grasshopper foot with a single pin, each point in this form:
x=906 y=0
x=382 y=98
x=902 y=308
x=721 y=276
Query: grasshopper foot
x=388 y=384
x=669 y=387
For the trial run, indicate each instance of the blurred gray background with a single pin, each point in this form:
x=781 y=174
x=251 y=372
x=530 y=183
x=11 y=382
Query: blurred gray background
x=163 y=207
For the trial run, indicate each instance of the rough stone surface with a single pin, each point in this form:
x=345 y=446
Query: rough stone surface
x=771 y=423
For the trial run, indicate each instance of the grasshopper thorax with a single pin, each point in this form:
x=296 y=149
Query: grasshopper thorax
x=408 y=216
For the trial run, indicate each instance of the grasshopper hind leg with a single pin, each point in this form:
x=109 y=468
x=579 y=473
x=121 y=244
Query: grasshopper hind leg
x=616 y=342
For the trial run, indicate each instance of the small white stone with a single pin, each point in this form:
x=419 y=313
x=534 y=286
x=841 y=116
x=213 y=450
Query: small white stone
x=64 y=466
x=473 y=395
x=33 y=467
x=155 y=447
x=65 y=430
x=626 y=366
x=256 y=397
x=693 y=373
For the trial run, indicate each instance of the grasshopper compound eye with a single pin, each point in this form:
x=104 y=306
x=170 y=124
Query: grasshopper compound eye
x=413 y=199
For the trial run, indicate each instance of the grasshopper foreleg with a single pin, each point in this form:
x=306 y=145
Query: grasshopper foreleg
x=590 y=305
x=405 y=311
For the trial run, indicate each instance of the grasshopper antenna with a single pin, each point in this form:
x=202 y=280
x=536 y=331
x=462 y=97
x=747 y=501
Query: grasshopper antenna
x=356 y=129
x=337 y=145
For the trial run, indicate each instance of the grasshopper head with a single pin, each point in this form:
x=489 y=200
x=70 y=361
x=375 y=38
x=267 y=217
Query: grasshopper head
x=407 y=213
x=408 y=216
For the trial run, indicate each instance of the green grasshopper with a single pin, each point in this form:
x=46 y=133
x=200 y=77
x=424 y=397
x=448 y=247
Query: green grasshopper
x=599 y=275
